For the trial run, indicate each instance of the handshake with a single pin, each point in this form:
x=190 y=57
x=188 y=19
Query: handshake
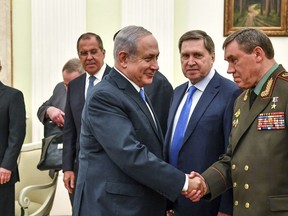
x=196 y=187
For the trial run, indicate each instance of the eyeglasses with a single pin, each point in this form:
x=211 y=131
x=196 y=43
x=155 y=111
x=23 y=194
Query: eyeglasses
x=86 y=53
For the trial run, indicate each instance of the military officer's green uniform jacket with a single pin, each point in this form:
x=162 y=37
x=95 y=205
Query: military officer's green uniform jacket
x=256 y=163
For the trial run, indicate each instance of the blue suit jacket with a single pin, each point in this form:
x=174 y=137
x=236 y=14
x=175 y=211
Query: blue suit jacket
x=120 y=166
x=206 y=138
x=73 y=110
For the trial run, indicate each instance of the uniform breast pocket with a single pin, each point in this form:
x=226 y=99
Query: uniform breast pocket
x=278 y=203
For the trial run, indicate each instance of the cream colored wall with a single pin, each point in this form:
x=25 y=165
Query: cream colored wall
x=22 y=76
x=104 y=18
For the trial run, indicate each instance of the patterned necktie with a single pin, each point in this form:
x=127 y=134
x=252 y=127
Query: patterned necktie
x=180 y=129
x=91 y=85
x=142 y=94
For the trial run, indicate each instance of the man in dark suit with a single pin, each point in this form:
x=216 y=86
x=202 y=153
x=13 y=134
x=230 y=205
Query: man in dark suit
x=160 y=94
x=51 y=112
x=209 y=120
x=12 y=134
x=255 y=164
x=121 y=144
x=91 y=54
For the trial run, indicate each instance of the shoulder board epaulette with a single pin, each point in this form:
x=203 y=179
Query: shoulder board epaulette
x=283 y=75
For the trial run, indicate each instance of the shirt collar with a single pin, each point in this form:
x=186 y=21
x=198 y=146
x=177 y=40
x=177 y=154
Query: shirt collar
x=202 y=84
x=134 y=84
x=99 y=74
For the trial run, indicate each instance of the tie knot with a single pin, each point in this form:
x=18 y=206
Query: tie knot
x=191 y=91
x=142 y=94
x=92 y=79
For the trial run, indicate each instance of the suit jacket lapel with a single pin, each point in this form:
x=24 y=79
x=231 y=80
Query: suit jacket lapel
x=208 y=95
x=128 y=89
x=176 y=100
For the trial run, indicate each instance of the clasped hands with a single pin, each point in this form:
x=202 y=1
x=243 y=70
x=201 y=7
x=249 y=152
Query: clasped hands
x=196 y=188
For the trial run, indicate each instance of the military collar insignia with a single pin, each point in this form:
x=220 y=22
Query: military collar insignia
x=267 y=90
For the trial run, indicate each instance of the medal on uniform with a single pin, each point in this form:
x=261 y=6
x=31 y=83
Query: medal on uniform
x=274 y=101
x=271 y=121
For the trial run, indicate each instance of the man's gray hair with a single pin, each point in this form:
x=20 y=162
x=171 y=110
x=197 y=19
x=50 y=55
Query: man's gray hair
x=126 y=39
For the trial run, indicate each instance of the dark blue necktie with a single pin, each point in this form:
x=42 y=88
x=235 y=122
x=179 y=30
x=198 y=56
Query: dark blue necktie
x=142 y=94
x=91 y=85
x=180 y=129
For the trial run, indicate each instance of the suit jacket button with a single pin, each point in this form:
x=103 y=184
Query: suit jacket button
x=236 y=203
x=246 y=167
x=247 y=205
x=235 y=184
x=246 y=186
x=233 y=167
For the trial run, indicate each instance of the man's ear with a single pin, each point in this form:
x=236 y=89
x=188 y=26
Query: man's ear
x=259 y=53
x=123 y=58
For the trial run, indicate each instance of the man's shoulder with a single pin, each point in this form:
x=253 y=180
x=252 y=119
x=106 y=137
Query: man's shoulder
x=11 y=90
x=159 y=82
x=78 y=81
x=283 y=76
x=159 y=77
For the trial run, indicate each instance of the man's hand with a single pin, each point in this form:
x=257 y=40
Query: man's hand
x=5 y=175
x=69 y=180
x=56 y=115
x=170 y=213
x=196 y=188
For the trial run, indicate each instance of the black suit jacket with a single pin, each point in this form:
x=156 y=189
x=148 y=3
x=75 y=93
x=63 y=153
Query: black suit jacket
x=160 y=93
x=73 y=110
x=12 y=129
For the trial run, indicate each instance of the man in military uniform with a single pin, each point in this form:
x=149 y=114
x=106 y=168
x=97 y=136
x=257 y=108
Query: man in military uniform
x=256 y=161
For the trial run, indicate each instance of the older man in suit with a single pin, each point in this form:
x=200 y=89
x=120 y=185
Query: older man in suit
x=205 y=134
x=51 y=112
x=159 y=92
x=12 y=134
x=91 y=54
x=121 y=144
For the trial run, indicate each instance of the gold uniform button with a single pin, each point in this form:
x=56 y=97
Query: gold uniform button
x=246 y=167
x=247 y=205
x=233 y=167
x=234 y=184
x=246 y=186
x=236 y=203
